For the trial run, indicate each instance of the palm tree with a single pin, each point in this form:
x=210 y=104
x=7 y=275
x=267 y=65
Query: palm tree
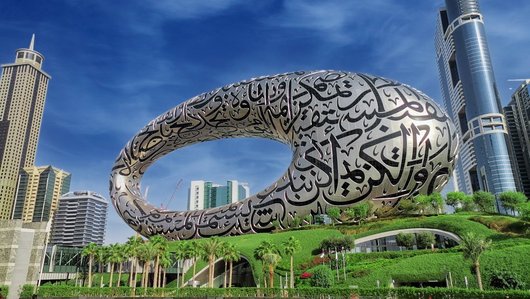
x=160 y=246
x=165 y=262
x=133 y=244
x=210 y=250
x=291 y=246
x=114 y=255
x=472 y=247
x=101 y=257
x=224 y=252
x=180 y=255
x=232 y=255
x=90 y=250
x=194 y=252
x=264 y=248
x=271 y=260
x=147 y=254
x=120 y=258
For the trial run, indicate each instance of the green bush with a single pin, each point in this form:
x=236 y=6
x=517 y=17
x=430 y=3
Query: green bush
x=322 y=277
x=505 y=279
x=4 y=290
x=51 y=291
x=425 y=240
x=406 y=240
x=27 y=291
x=485 y=201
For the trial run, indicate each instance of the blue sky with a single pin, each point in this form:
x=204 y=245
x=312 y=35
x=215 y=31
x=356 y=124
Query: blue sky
x=115 y=65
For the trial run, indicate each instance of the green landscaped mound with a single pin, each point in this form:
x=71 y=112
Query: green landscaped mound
x=510 y=251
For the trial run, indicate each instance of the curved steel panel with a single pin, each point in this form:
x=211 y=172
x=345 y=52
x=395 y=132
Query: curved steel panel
x=354 y=137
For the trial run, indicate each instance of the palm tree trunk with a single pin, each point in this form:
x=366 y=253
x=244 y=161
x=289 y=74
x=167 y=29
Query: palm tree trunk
x=291 y=283
x=230 y=282
x=111 y=273
x=210 y=271
x=136 y=265
x=90 y=262
x=159 y=282
x=226 y=268
x=271 y=276
x=132 y=274
x=182 y=276
x=119 y=275
x=194 y=268
x=479 y=278
x=101 y=275
x=144 y=275
x=155 y=278
x=164 y=281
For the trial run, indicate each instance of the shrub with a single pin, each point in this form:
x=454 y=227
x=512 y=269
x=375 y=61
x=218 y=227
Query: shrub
x=485 y=201
x=3 y=291
x=504 y=279
x=297 y=221
x=512 y=199
x=322 y=277
x=524 y=210
x=27 y=291
x=405 y=240
x=424 y=240
x=337 y=243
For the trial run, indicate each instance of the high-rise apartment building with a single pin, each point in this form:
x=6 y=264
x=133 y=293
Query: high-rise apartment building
x=471 y=99
x=517 y=114
x=80 y=219
x=38 y=192
x=204 y=195
x=23 y=89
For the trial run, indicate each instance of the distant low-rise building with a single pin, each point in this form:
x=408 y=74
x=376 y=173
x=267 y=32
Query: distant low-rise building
x=81 y=218
x=38 y=192
x=204 y=194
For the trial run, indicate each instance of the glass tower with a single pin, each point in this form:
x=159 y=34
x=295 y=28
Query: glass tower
x=204 y=195
x=471 y=99
x=518 y=118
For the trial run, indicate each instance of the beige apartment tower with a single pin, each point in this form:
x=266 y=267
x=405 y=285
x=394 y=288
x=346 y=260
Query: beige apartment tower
x=23 y=89
x=38 y=192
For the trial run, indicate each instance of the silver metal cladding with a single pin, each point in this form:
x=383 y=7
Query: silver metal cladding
x=355 y=137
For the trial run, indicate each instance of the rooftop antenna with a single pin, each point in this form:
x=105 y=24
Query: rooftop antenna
x=32 y=42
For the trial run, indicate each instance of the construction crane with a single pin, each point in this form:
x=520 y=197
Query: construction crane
x=164 y=206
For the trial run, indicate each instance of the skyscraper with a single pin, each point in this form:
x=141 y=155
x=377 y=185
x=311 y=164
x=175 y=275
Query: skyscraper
x=38 y=192
x=471 y=99
x=204 y=195
x=517 y=114
x=23 y=89
x=80 y=219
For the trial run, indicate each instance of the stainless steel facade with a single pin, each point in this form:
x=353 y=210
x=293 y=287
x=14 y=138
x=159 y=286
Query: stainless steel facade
x=471 y=99
x=354 y=137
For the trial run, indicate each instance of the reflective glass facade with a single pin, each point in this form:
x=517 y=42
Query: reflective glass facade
x=471 y=99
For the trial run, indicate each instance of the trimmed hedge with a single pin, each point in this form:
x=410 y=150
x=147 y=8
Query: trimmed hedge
x=405 y=292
